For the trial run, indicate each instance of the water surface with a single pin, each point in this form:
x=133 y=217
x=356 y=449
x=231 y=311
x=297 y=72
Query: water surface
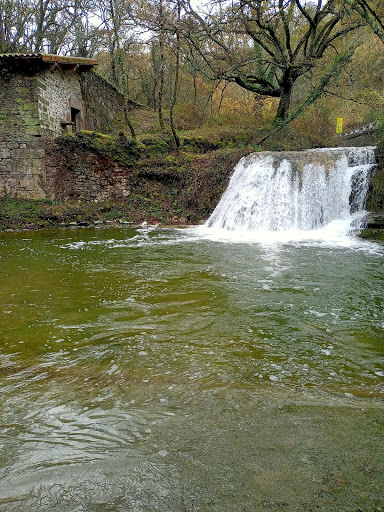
x=158 y=370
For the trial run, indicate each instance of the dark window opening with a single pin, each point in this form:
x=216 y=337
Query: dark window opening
x=75 y=116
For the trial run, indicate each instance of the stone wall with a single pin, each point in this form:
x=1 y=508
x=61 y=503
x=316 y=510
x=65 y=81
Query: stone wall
x=74 y=172
x=21 y=150
x=103 y=104
x=175 y=190
x=38 y=105
x=57 y=92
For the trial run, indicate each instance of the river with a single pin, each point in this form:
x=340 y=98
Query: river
x=166 y=370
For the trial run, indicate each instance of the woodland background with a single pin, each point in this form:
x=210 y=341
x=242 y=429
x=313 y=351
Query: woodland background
x=220 y=70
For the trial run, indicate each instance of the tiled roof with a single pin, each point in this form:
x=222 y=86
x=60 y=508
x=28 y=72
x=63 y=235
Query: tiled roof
x=41 y=61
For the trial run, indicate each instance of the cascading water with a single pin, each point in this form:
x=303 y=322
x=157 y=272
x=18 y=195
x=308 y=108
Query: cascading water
x=296 y=194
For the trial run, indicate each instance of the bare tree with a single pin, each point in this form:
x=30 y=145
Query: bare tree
x=177 y=72
x=51 y=26
x=16 y=32
x=265 y=46
x=369 y=11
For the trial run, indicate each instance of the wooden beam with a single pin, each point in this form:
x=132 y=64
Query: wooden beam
x=68 y=67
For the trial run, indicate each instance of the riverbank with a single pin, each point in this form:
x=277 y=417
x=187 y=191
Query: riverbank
x=19 y=215
x=375 y=235
x=28 y=214
x=169 y=189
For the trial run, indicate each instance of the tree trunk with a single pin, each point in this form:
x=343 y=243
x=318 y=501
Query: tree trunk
x=194 y=90
x=222 y=97
x=114 y=46
x=41 y=11
x=128 y=119
x=113 y=67
x=161 y=50
x=284 y=103
x=338 y=67
x=3 y=47
x=176 y=83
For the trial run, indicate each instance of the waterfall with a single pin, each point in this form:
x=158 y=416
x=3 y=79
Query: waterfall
x=303 y=191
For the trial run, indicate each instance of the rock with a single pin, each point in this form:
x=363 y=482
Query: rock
x=374 y=221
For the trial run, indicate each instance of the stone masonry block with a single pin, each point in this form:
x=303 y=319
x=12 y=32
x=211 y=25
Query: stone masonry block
x=5 y=153
x=33 y=130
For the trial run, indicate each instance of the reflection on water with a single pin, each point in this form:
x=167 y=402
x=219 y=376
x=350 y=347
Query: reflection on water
x=156 y=370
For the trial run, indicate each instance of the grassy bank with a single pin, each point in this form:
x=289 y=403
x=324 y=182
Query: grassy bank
x=39 y=214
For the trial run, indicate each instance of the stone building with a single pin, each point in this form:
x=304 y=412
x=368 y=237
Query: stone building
x=42 y=97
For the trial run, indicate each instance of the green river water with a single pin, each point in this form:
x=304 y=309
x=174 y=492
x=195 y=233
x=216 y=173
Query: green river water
x=155 y=370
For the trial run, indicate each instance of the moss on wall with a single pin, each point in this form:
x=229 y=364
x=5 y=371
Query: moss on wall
x=104 y=105
x=21 y=151
x=119 y=148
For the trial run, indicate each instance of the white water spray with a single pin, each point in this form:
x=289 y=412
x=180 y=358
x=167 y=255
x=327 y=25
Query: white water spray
x=314 y=194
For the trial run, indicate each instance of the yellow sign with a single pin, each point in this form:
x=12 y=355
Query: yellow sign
x=339 y=125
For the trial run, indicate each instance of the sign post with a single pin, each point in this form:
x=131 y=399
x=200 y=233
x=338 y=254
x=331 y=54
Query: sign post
x=339 y=125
